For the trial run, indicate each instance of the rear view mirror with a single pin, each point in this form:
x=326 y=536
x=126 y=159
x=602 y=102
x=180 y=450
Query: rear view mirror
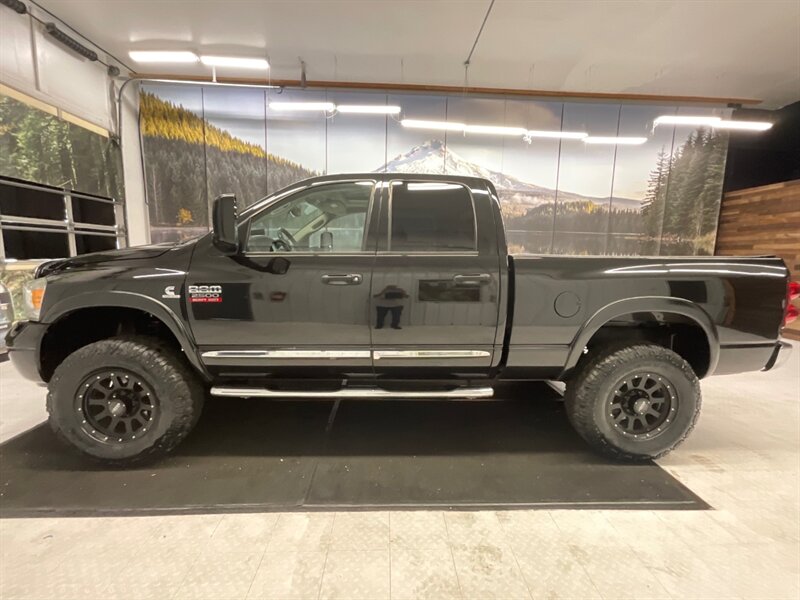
x=224 y=224
x=326 y=241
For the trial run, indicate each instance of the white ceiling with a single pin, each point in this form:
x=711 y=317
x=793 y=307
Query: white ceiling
x=728 y=48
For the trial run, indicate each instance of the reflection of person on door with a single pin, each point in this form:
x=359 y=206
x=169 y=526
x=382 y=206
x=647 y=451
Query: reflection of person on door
x=390 y=301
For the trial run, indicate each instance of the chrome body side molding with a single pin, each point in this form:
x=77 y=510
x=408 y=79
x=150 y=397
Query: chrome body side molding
x=378 y=354
x=234 y=354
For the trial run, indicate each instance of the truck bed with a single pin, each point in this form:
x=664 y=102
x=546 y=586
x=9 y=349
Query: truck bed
x=558 y=299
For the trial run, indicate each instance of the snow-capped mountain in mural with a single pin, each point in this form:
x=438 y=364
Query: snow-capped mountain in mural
x=434 y=157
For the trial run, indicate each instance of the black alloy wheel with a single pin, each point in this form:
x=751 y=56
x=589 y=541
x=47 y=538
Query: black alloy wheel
x=116 y=405
x=636 y=402
x=642 y=404
x=123 y=401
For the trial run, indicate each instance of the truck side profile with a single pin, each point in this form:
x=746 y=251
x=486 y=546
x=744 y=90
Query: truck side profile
x=386 y=286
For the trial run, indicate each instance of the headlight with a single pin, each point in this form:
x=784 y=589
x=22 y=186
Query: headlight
x=33 y=295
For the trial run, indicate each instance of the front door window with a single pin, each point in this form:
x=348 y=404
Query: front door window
x=325 y=218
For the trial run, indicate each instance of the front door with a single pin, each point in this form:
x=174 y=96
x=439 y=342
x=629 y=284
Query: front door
x=298 y=295
x=435 y=292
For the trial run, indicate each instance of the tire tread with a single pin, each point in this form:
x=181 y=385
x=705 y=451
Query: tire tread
x=156 y=354
x=581 y=395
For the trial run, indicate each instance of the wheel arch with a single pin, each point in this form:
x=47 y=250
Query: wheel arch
x=658 y=306
x=90 y=303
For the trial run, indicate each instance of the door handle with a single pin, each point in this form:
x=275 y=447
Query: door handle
x=472 y=278
x=346 y=279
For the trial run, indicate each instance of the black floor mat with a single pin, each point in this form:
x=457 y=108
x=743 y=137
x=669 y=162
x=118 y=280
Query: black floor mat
x=248 y=455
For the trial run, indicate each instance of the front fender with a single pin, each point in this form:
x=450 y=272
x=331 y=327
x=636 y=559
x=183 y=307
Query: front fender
x=654 y=304
x=124 y=299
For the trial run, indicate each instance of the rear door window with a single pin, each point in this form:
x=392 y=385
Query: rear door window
x=431 y=216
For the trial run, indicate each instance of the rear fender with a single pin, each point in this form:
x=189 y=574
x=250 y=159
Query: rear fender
x=652 y=304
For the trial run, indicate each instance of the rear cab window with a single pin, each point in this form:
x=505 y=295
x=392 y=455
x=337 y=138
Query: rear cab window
x=431 y=216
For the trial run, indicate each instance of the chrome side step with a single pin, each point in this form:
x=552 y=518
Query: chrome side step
x=244 y=392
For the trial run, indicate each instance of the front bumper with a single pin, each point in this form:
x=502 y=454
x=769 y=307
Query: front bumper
x=779 y=356
x=24 y=341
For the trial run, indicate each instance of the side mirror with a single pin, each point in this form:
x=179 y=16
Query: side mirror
x=224 y=224
x=278 y=266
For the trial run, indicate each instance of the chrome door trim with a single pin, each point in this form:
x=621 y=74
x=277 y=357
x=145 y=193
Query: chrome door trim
x=378 y=354
x=333 y=354
x=236 y=354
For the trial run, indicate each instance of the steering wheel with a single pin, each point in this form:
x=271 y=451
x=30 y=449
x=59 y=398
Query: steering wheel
x=279 y=246
x=285 y=240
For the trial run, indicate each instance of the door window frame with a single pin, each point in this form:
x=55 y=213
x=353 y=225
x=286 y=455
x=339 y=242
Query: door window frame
x=387 y=222
x=288 y=197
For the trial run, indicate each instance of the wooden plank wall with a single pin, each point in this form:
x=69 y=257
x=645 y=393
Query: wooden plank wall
x=763 y=220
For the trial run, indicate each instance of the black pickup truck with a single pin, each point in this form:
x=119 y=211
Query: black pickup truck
x=386 y=286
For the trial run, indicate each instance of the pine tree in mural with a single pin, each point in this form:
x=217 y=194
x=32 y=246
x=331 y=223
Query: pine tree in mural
x=655 y=202
x=683 y=194
x=686 y=183
x=709 y=199
x=189 y=161
x=693 y=196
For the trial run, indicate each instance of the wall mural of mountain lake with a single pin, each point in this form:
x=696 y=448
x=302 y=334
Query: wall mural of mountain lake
x=559 y=196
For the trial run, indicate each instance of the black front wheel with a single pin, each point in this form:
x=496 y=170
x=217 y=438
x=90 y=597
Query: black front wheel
x=124 y=400
x=634 y=403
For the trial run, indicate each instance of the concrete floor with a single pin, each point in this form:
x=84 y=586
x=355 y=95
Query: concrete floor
x=743 y=459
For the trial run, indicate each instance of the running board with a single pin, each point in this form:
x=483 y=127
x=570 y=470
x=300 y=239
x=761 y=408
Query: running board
x=243 y=392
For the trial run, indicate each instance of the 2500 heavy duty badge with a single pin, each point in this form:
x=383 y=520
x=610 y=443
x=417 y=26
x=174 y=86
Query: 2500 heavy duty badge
x=205 y=293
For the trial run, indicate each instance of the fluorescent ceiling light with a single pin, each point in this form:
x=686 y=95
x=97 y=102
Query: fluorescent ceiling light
x=686 y=120
x=368 y=109
x=744 y=125
x=210 y=83
x=715 y=122
x=307 y=106
x=441 y=125
x=567 y=135
x=494 y=129
x=234 y=61
x=163 y=56
x=631 y=141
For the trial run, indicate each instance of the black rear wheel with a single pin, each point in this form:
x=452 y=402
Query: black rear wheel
x=641 y=404
x=634 y=403
x=124 y=400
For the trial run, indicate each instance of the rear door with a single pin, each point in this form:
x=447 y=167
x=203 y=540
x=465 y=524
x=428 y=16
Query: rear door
x=435 y=284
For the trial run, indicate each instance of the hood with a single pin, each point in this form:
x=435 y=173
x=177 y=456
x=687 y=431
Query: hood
x=52 y=267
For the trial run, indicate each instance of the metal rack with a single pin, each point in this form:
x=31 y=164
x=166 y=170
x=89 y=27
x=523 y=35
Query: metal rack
x=68 y=225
